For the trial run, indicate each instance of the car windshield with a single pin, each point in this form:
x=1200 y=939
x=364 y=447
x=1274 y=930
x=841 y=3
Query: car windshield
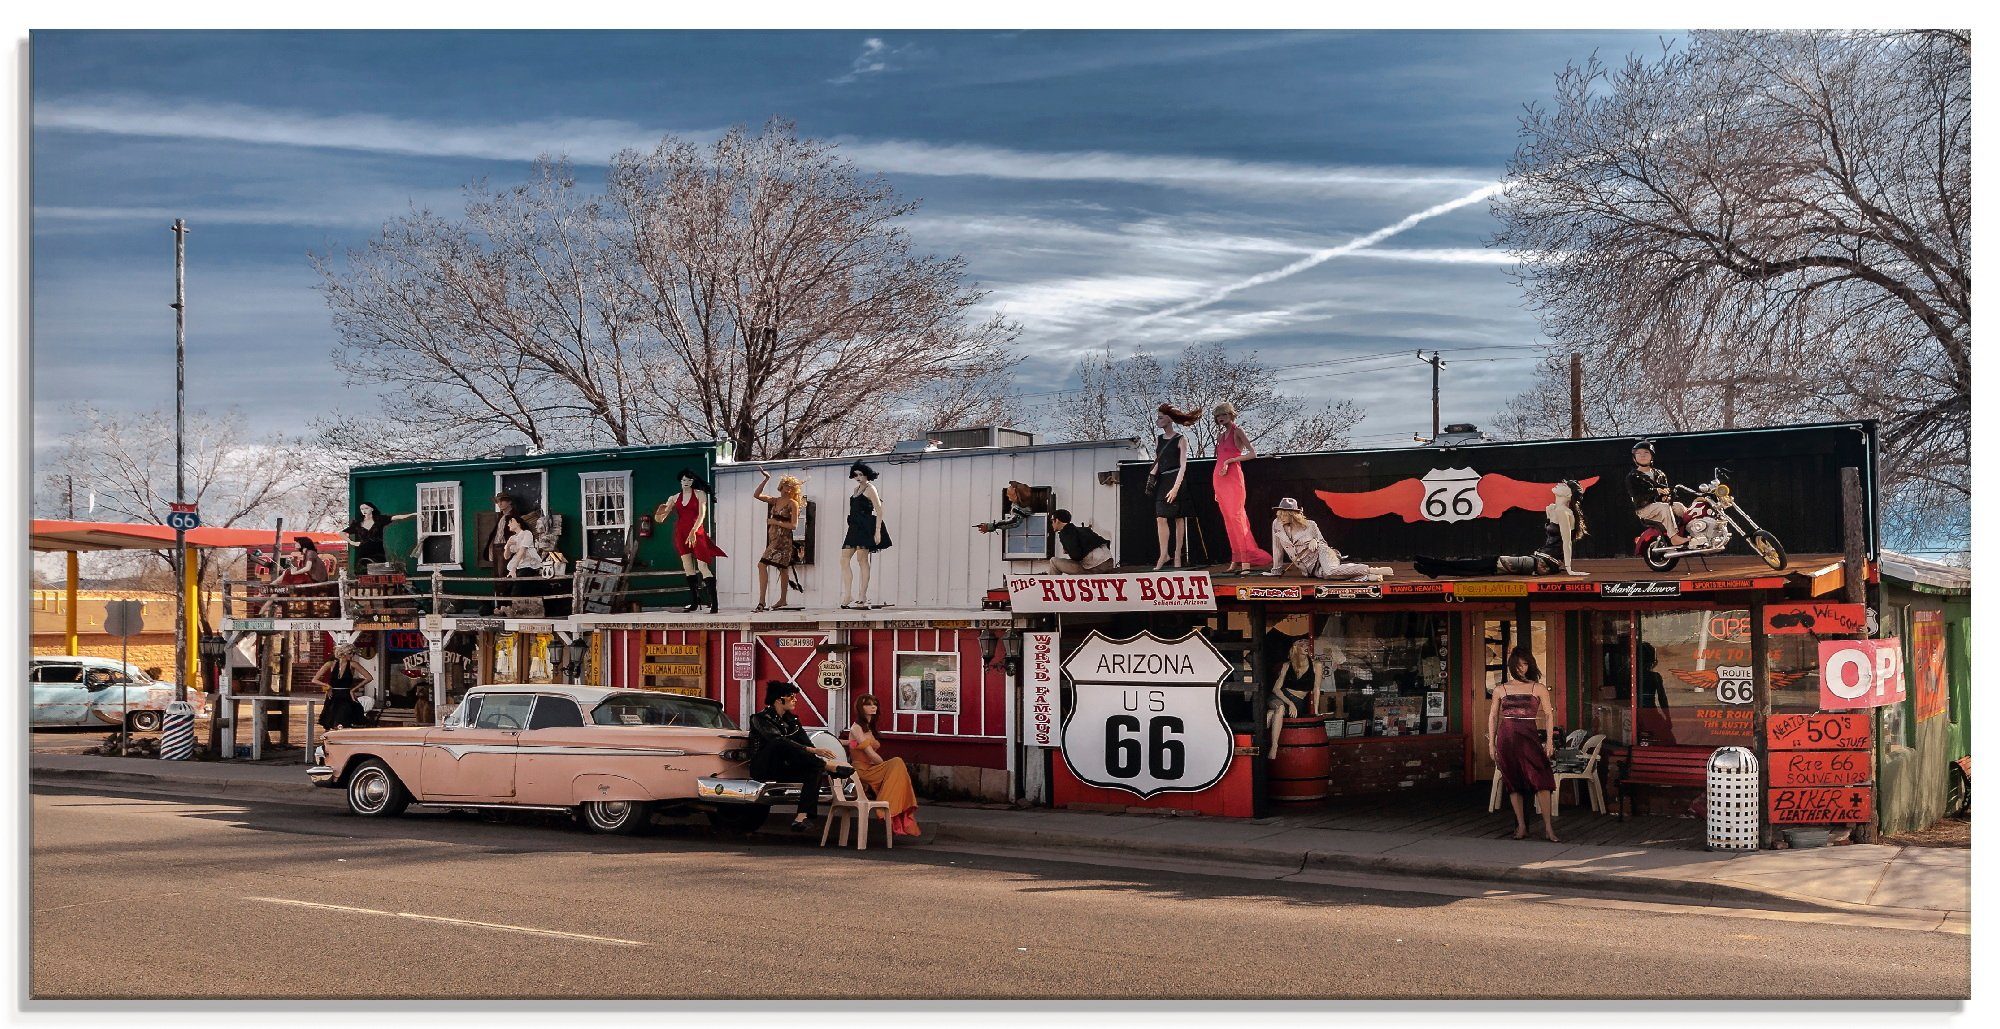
x=659 y=709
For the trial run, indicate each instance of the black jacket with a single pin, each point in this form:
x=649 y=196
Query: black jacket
x=1079 y=540
x=1644 y=486
x=778 y=739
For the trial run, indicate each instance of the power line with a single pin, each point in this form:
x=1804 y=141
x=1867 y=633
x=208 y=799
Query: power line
x=1338 y=361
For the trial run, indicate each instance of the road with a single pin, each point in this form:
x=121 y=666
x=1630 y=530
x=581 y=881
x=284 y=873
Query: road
x=143 y=895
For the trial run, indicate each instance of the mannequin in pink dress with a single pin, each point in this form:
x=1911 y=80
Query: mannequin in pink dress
x=1232 y=448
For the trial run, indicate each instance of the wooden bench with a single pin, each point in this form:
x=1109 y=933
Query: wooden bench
x=1661 y=766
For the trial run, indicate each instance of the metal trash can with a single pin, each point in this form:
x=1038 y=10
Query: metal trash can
x=1732 y=799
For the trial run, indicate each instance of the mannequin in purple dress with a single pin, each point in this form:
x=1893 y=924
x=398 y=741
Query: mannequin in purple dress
x=1521 y=747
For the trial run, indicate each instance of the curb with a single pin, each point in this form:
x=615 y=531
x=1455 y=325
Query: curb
x=291 y=793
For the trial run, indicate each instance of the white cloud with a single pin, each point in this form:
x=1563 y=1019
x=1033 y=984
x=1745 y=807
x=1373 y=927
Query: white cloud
x=872 y=60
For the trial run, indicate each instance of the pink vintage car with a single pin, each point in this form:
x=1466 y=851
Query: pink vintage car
x=615 y=757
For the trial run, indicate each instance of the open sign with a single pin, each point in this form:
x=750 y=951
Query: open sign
x=1857 y=674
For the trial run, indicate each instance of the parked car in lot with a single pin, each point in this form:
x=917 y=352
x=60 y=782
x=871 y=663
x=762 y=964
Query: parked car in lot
x=87 y=691
x=613 y=757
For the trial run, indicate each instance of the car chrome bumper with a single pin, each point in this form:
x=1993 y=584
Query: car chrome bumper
x=321 y=775
x=751 y=791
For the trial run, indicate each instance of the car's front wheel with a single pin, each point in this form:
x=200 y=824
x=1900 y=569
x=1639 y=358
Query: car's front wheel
x=373 y=791
x=617 y=817
x=145 y=721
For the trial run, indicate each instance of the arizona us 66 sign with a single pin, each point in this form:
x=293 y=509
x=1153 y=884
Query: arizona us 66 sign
x=1148 y=714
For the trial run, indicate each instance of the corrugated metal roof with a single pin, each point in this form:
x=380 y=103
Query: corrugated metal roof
x=1918 y=571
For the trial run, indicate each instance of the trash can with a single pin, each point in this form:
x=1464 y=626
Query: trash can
x=1732 y=799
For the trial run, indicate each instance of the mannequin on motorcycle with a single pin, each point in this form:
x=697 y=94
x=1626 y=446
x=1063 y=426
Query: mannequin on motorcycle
x=1652 y=494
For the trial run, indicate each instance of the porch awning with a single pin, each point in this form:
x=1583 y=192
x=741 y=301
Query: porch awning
x=52 y=534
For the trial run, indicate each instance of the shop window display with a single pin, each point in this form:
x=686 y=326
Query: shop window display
x=1687 y=660
x=1386 y=673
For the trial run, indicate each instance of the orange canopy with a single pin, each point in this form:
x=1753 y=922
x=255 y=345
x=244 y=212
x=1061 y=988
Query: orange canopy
x=56 y=534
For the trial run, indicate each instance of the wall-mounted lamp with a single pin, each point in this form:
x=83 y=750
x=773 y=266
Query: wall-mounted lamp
x=578 y=650
x=989 y=642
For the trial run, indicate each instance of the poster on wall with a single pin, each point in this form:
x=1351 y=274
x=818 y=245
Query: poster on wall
x=1147 y=717
x=1043 y=704
x=1856 y=674
x=1927 y=650
x=927 y=684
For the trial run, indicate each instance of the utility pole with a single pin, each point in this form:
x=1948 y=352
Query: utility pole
x=1436 y=361
x=1576 y=396
x=180 y=463
x=69 y=495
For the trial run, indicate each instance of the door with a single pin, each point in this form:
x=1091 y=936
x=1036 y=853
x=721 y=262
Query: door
x=1499 y=634
x=795 y=657
x=474 y=759
x=58 y=694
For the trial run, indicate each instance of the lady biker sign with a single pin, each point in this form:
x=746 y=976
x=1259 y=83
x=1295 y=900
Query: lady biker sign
x=1147 y=717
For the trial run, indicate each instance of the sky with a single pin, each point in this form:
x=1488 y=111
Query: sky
x=1309 y=196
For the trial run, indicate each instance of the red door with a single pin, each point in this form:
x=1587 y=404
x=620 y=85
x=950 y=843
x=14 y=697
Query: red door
x=793 y=656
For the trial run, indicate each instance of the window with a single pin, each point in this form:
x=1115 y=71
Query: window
x=59 y=673
x=506 y=711
x=556 y=713
x=927 y=684
x=1029 y=541
x=1386 y=673
x=437 y=525
x=1683 y=657
x=607 y=513
x=659 y=709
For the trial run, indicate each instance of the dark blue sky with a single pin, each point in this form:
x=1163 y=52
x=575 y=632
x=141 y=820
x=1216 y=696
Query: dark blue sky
x=1145 y=188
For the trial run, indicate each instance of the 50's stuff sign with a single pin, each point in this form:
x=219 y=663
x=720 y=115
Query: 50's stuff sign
x=1148 y=714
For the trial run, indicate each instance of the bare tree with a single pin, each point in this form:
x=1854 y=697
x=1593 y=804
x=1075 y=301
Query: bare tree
x=1762 y=227
x=125 y=462
x=1118 y=398
x=757 y=291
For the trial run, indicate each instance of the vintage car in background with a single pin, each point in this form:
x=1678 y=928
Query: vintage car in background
x=97 y=691
x=615 y=758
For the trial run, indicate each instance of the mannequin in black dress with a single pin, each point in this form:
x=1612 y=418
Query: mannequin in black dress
x=340 y=677
x=867 y=533
x=365 y=533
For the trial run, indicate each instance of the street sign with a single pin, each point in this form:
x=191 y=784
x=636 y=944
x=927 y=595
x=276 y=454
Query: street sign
x=123 y=618
x=832 y=675
x=183 y=516
x=1148 y=714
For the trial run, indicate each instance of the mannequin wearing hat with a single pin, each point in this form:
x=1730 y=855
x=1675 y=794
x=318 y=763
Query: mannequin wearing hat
x=1653 y=494
x=1297 y=542
x=698 y=552
x=867 y=533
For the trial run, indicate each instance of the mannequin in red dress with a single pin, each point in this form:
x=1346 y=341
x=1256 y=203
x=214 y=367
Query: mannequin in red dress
x=689 y=510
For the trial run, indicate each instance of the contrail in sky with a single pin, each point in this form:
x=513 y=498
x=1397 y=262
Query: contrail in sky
x=1319 y=257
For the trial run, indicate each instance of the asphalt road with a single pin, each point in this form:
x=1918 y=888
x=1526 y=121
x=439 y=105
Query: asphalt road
x=149 y=896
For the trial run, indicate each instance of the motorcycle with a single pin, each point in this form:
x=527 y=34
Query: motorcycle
x=1713 y=519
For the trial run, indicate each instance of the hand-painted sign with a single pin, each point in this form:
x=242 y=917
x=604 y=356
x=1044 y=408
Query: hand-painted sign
x=1446 y=495
x=1820 y=768
x=1147 y=717
x=1139 y=591
x=1822 y=805
x=1818 y=732
x=1860 y=674
x=1043 y=715
x=673 y=660
x=1815 y=619
x=1644 y=589
x=1927 y=649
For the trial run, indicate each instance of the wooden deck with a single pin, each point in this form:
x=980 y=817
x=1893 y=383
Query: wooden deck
x=1462 y=813
x=1802 y=568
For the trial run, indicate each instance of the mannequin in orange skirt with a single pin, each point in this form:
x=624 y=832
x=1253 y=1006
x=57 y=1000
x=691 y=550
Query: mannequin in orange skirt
x=1521 y=747
x=887 y=781
x=1232 y=448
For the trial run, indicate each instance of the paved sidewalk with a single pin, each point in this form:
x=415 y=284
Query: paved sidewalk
x=1907 y=883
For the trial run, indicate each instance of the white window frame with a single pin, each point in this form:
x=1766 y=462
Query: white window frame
x=1012 y=539
x=457 y=532
x=583 y=480
x=543 y=472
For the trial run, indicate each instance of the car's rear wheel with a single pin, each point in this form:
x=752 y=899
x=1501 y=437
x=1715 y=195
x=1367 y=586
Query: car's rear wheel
x=617 y=817
x=373 y=791
x=739 y=818
x=145 y=721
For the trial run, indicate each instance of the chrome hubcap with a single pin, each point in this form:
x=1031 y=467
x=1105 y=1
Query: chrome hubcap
x=371 y=790
x=611 y=812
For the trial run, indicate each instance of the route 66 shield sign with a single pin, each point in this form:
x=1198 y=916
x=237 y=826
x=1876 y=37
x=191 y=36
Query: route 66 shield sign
x=1451 y=495
x=1148 y=714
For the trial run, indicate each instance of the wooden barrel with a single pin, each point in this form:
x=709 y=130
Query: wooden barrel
x=1298 y=772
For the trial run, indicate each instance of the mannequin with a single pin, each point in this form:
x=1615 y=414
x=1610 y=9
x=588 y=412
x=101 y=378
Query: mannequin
x=1019 y=495
x=1232 y=448
x=781 y=519
x=1296 y=541
x=1304 y=672
x=690 y=511
x=867 y=533
x=365 y=533
x=1566 y=521
x=1164 y=483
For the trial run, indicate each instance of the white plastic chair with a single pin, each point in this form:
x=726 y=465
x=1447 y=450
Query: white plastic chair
x=852 y=804
x=1593 y=748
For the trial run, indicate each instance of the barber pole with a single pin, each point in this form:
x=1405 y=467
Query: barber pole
x=177 y=734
